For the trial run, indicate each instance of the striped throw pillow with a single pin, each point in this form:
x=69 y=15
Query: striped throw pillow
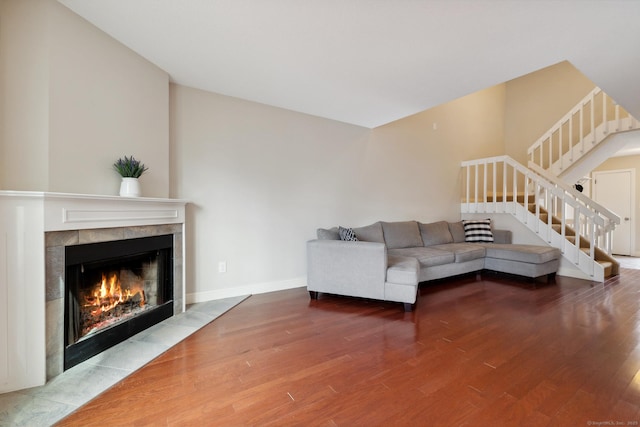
x=347 y=234
x=478 y=230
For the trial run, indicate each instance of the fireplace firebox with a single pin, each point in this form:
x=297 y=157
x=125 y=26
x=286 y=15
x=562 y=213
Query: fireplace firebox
x=113 y=290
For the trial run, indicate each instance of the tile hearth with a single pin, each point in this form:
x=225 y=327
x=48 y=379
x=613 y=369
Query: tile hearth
x=42 y=406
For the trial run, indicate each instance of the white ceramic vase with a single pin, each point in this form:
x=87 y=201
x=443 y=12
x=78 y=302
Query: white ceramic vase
x=130 y=187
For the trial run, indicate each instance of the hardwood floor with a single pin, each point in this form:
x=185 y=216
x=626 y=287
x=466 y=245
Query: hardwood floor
x=497 y=351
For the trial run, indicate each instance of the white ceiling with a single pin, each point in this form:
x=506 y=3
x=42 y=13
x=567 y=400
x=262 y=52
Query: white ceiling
x=370 y=62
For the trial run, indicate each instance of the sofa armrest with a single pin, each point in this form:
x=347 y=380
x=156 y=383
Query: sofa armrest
x=347 y=268
x=501 y=236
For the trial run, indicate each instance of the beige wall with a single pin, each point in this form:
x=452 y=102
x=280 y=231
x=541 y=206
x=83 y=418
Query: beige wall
x=24 y=105
x=74 y=100
x=262 y=179
x=536 y=101
x=628 y=162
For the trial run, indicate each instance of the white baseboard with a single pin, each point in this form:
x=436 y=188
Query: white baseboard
x=256 y=288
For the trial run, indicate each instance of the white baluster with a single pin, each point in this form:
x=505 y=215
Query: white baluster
x=484 y=187
x=593 y=119
x=560 y=153
x=475 y=196
x=541 y=154
x=576 y=227
x=504 y=186
x=550 y=150
x=605 y=122
x=515 y=189
x=571 y=139
x=581 y=128
x=468 y=189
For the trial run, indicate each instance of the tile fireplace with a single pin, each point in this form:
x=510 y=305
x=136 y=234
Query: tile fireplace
x=82 y=273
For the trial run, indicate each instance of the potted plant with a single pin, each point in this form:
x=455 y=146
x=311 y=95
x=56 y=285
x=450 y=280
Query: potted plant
x=130 y=169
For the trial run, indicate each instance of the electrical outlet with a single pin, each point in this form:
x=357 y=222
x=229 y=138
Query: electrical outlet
x=222 y=267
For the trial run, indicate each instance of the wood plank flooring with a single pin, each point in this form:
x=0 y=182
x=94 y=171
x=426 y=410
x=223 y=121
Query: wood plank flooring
x=496 y=351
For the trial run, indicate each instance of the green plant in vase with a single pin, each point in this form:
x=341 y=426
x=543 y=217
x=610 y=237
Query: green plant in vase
x=129 y=167
x=130 y=170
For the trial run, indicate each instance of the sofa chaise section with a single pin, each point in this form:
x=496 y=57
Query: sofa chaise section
x=524 y=260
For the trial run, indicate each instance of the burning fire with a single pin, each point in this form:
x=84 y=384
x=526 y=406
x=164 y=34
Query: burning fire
x=109 y=293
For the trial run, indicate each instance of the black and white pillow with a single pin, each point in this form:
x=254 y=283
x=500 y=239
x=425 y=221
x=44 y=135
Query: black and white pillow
x=477 y=231
x=347 y=234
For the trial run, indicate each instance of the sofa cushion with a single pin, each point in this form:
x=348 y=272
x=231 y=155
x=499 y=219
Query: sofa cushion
x=501 y=236
x=402 y=270
x=532 y=254
x=347 y=234
x=370 y=233
x=427 y=257
x=477 y=230
x=464 y=251
x=401 y=234
x=435 y=233
x=457 y=231
x=328 y=234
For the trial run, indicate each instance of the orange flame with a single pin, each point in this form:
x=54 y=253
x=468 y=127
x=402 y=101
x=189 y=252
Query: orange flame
x=109 y=293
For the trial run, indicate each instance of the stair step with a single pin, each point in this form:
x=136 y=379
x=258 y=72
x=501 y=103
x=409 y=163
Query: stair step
x=605 y=264
x=544 y=217
x=567 y=231
x=501 y=197
x=608 y=267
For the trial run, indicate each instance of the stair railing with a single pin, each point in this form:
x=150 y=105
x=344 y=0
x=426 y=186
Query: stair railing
x=609 y=218
x=502 y=185
x=584 y=126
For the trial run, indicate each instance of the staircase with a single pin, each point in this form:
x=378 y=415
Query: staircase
x=546 y=206
x=582 y=131
x=609 y=265
x=541 y=196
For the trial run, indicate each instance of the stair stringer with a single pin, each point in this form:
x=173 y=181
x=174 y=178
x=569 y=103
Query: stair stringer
x=599 y=138
x=526 y=228
x=598 y=155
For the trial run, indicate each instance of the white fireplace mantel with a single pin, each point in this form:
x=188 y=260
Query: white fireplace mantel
x=25 y=217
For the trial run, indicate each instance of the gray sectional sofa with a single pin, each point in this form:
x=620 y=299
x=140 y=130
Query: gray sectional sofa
x=389 y=259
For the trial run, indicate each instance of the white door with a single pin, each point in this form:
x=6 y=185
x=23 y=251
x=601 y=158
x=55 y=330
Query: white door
x=615 y=191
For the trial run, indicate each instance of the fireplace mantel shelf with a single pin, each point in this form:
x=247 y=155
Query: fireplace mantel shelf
x=54 y=195
x=25 y=218
x=66 y=211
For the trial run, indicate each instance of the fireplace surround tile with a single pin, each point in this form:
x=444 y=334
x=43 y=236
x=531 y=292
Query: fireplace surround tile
x=54 y=269
x=55 y=242
x=55 y=337
x=154 y=230
x=61 y=238
x=97 y=235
